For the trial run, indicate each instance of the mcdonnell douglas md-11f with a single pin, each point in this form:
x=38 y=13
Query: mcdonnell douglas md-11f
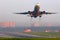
x=36 y=13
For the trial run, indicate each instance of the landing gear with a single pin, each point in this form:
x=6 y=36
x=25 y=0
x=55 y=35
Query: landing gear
x=40 y=16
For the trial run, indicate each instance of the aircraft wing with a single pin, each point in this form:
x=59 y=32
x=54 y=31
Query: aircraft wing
x=48 y=12
x=23 y=13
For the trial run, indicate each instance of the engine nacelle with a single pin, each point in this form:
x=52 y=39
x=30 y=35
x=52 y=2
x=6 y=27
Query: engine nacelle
x=29 y=12
x=44 y=12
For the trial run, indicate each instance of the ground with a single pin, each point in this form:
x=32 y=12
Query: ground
x=29 y=38
x=47 y=34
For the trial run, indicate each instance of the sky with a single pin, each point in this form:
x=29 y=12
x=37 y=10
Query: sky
x=9 y=7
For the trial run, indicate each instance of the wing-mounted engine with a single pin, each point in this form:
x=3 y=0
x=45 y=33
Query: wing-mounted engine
x=30 y=13
x=43 y=12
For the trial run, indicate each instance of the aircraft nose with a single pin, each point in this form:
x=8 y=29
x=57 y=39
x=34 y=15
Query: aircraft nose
x=38 y=4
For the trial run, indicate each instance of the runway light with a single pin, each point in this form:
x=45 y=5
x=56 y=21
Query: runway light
x=56 y=30
x=47 y=30
x=27 y=30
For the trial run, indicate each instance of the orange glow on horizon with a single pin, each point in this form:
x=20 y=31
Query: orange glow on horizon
x=8 y=24
x=36 y=24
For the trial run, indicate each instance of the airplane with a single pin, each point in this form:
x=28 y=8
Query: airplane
x=36 y=13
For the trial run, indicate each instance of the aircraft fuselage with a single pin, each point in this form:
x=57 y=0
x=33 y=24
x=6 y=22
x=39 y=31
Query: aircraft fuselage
x=36 y=11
